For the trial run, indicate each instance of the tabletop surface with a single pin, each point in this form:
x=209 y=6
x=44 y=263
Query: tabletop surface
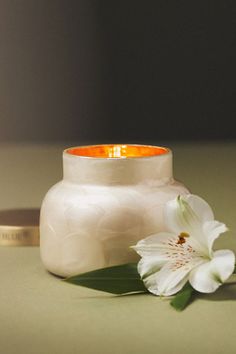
x=41 y=314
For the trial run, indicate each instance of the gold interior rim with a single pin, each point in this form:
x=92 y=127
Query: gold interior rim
x=117 y=151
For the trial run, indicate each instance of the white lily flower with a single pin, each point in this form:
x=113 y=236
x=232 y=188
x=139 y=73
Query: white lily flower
x=170 y=259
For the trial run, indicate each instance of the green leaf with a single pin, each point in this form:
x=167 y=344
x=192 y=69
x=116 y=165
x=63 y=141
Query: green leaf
x=183 y=298
x=234 y=270
x=121 y=279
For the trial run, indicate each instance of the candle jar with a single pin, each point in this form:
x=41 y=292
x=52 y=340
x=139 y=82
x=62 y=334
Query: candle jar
x=110 y=197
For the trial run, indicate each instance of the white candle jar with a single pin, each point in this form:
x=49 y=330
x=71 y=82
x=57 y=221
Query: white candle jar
x=110 y=197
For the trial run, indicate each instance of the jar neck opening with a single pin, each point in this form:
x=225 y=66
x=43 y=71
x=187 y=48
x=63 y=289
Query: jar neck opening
x=117 y=151
x=131 y=164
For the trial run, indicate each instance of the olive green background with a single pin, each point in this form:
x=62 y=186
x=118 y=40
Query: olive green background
x=41 y=314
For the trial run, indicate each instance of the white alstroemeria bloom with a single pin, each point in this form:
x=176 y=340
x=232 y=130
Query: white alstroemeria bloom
x=170 y=259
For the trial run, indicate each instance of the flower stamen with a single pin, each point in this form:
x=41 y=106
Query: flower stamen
x=181 y=238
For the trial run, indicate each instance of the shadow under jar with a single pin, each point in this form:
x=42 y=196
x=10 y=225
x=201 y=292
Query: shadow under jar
x=110 y=197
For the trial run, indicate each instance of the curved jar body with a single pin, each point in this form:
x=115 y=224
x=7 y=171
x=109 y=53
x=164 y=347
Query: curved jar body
x=110 y=197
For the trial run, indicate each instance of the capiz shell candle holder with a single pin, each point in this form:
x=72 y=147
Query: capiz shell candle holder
x=110 y=197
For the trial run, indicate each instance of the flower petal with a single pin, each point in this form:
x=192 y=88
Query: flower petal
x=148 y=266
x=187 y=212
x=207 y=277
x=200 y=207
x=154 y=245
x=212 y=230
x=166 y=263
x=165 y=246
x=168 y=281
